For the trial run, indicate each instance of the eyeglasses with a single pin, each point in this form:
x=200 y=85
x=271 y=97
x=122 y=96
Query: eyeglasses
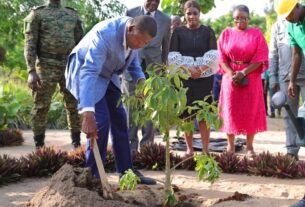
x=192 y=13
x=240 y=19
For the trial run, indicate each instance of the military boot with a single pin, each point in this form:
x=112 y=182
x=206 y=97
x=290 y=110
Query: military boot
x=39 y=141
x=75 y=136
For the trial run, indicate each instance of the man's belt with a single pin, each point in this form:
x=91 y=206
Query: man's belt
x=239 y=62
x=59 y=57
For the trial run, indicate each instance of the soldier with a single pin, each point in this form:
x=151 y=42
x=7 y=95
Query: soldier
x=51 y=32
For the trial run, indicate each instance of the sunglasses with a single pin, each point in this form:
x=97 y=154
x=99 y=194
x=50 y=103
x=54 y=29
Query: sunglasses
x=240 y=19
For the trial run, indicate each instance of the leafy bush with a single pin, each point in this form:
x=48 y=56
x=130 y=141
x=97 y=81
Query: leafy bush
x=9 y=170
x=43 y=162
x=11 y=137
x=228 y=162
x=263 y=165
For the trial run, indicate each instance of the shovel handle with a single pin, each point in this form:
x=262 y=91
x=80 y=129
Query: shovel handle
x=106 y=187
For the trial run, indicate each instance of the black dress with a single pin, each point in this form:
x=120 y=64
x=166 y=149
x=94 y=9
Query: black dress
x=195 y=42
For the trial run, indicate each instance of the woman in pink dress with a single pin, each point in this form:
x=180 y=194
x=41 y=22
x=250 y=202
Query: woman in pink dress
x=243 y=57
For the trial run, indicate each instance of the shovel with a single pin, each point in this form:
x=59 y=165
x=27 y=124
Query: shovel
x=107 y=192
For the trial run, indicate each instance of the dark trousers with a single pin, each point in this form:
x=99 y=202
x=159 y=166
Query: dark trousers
x=110 y=116
x=216 y=86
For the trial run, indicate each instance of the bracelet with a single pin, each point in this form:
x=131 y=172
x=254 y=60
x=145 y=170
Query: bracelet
x=244 y=73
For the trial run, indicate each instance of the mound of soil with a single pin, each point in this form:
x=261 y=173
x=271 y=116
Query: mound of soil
x=70 y=187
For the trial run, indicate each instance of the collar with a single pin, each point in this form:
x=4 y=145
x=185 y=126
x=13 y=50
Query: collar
x=127 y=50
x=125 y=36
x=54 y=5
x=152 y=14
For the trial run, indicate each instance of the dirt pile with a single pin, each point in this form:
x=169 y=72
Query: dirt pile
x=70 y=187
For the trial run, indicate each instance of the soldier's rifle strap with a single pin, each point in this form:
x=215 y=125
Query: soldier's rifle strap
x=59 y=57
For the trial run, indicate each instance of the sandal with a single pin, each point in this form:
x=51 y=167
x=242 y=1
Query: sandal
x=250 y=154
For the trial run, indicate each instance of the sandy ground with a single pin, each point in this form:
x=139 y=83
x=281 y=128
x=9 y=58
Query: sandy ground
x=265 y=191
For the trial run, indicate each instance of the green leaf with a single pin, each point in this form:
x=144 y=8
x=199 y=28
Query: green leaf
x=177 y=81
x=129 y=180
x=207 y=168
x=170 y=199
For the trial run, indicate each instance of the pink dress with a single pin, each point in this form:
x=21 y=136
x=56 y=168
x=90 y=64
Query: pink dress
x=242 y=107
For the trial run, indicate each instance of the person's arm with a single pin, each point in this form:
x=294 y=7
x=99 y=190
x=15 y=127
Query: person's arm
x=174 y=41
x=212 y=40
x=78 y=32
x=212 y=46
x=89 y=74
x=273 y=59
x=31 y=28
x=295 y=67
x=135 y=70
x=166 y=42
x=227 y=69
x=91 y=70
x=223 y=58
x=258 y=61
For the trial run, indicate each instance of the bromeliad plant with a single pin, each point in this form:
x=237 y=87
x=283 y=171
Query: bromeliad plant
x=10 y=135
x=162 y=99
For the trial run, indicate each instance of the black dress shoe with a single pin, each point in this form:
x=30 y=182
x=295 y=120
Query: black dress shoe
x=143 y=180
x=272 y=115
x=301 y=203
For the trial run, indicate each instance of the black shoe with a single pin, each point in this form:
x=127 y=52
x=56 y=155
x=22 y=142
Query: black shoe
x=272 y=115
x=39 y=141
x=145 y=180
x=75 y=136
x=301 y=203
x=296 y=157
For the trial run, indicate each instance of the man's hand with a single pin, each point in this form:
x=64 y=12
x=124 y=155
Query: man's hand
x=89 y=126
x=34 y=81
x=275 y=87
x=141 y=94
x=195 y=72
x=291 y=89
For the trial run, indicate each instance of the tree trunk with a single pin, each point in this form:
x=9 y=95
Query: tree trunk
x=167 y=167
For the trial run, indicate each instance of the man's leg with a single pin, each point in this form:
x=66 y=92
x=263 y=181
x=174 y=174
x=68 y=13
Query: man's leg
x=119 y=130
x=272 y=110
x=300 y=203
x=147 y=134
x=102 y=121
x=72 y=113
x=289 y=127
x=128 y=87
x=42 y=100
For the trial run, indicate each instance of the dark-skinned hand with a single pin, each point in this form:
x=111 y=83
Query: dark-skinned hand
x=291 y=89
x=89 y=126
x=275 y=87
x=237 y=77
x=34 y=82
x=195 y=72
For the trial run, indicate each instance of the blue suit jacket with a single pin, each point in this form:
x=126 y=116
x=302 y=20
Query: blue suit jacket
x=98 y=59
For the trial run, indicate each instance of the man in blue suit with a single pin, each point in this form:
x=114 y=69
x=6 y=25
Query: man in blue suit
x=92 y=76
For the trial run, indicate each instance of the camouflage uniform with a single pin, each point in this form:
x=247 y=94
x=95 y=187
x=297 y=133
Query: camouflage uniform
x=51 y=32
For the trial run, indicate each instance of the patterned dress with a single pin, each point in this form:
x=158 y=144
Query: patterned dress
x=242 y=107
